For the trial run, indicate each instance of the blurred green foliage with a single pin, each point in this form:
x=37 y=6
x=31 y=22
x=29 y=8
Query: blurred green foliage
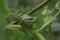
x=44 y=20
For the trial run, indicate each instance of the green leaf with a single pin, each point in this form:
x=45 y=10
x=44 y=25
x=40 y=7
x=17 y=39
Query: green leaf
x=57 y=6
x=3 y=13
x=13 y=27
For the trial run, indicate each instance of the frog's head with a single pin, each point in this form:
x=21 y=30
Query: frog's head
x=27 y=18
x=27 y=21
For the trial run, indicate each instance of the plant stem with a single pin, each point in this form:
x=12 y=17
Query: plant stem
x=37 y=7
x=44 y=25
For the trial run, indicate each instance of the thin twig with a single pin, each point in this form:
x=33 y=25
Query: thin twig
x=37 y=7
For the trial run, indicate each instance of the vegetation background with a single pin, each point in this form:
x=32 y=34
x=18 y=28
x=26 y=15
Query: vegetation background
x=44 y=15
